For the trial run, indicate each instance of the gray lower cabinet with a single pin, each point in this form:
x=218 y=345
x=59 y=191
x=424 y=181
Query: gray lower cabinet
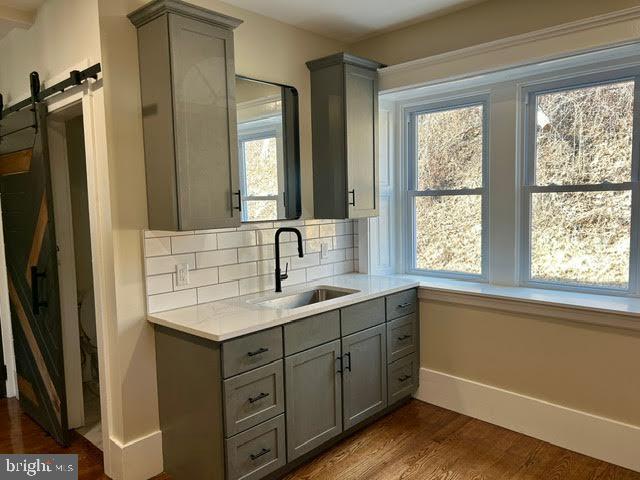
x=187 y=80
x=314 y=398
x=365 y=374
x=248 y=407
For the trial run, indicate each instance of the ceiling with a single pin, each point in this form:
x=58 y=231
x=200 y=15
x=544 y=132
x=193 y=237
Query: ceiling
x=17 y=14
x=351 y=20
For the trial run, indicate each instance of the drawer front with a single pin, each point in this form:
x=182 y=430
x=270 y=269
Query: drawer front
x=401 y=304
x=362 y=316
x=257 y=452
x=402 y=378
x=402 y=337
x=251 y=351
x=311 y=332
x=253 y=397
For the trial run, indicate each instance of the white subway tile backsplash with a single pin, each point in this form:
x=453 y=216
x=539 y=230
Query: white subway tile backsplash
x=221 y=291
x=228 y=262
x=309 y=260
x=237 y=271
x=237 y=239
x=261 y=252
x=167 y=264
x=169 y=301
x=194 y=243
x=315 y=273
x=216 y=258
x=154 y=247
x=159 y=284
x=199 y=278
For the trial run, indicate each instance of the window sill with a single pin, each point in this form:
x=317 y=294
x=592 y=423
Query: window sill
x=604 y=310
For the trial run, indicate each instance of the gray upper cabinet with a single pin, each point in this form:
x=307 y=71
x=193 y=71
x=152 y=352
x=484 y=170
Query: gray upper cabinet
x=365 y=374
x=344 y=110
x=187 y=80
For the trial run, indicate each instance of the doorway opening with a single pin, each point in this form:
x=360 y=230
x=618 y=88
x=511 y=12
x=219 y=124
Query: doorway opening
x=75 y=271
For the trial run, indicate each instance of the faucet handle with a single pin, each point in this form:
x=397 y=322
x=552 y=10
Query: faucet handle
x=285 y=275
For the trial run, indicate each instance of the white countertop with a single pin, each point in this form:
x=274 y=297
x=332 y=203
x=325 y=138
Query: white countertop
x=226 y=319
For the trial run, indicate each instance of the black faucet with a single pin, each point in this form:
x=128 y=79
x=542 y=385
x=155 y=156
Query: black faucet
x=283 y=276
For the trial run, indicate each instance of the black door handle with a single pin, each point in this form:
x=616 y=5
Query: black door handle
x=260 y=396
x=353 y=192
x=257 y=352
x=348 y=355
x=404 y=378
x=36 y=303
x=404 y=337
x=239 y=207
x=262 y=452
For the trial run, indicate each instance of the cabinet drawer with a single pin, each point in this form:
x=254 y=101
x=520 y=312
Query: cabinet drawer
x=402 y=336
x=257 y=452
x=401 y=304
x=253 y=397
x=311 y=332
x=251 y=351
x=362 y=316
x=402 y=378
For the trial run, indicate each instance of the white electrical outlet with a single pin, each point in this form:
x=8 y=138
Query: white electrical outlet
x=182 y=275
x=324 y=250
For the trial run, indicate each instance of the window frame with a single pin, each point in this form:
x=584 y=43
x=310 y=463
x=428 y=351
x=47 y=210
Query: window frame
x=527 y=186
x=252 y=134
x=412 y=192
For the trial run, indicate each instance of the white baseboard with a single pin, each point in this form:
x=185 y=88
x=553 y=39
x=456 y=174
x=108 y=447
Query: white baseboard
x=598 y=437
x=139 y=459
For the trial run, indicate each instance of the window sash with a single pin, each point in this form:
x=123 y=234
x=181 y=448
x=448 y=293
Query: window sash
x=528 y=186
x=412 y=192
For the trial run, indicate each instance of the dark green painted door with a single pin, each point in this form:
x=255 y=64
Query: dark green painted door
x=30 y=252
x=3 y=369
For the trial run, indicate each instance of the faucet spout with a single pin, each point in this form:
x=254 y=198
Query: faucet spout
x=279 y=276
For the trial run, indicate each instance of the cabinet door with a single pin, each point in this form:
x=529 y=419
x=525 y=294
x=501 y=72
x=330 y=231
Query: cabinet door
x=365 y=374
x=204 y=124
x=314 y=398
x=362 y=151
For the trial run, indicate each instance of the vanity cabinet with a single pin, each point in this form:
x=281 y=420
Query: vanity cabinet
x=257 y=405
x=344 y=114
x=187 y=80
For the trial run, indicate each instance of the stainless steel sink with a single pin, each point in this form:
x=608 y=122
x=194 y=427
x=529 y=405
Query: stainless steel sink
x=308 y=297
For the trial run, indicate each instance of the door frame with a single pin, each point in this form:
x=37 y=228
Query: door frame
x=90 y=95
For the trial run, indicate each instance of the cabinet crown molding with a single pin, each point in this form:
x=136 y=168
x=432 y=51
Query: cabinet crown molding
x=342 y=58
x=157 y=8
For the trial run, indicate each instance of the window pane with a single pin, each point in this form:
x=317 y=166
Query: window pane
x=449 y=233
x=581 y=237
x=261 y=167
x=449 y=147
x=260 y=210
x=584 y=135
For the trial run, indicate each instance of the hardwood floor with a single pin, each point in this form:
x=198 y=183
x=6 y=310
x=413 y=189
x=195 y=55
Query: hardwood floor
x=418 y=441
x=421 y=441
x=20 y=434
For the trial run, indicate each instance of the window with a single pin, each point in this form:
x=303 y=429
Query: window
x=259 y=176
x=447 y=165
x=580 y=185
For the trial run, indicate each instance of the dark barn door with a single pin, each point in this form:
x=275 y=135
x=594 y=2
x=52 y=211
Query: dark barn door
x=3 y=371
x=30 y=251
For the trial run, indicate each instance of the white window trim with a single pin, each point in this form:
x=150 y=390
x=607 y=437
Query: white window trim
x=412 y=192
x=505 y=89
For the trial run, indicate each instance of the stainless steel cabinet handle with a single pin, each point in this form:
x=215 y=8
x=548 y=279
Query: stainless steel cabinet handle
x=262 y=452
x=260 y=396
x=257 y=352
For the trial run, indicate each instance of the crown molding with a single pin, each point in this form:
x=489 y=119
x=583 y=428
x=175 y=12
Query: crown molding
x=627 y=14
